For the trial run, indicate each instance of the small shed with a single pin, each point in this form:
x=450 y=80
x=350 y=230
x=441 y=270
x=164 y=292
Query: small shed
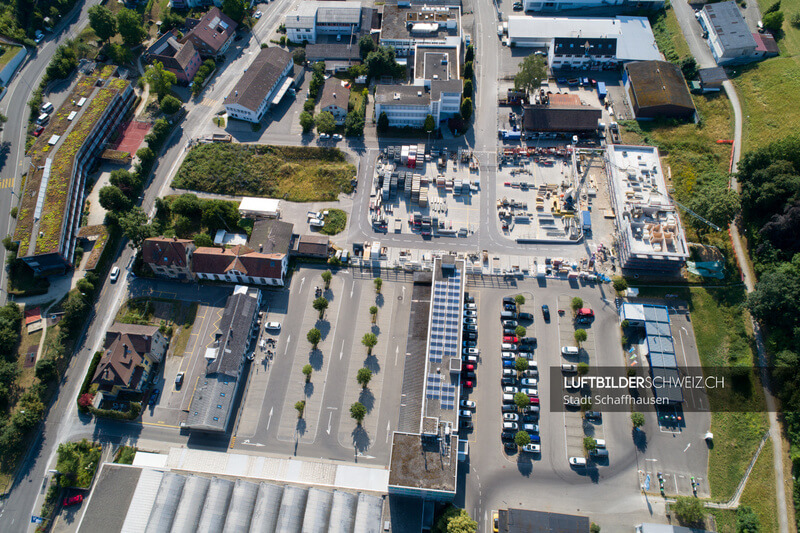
x=711 y=78
x=260 y=208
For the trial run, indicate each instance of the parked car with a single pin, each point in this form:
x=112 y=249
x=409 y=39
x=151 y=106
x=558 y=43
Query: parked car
x=509 y=331
x=510 y=417
x=510 y=390
x=510 y=323
x=468 y=368
x=38 y=131
x=600 y=443
x=529 y=381
x=471 y=328
x=471 y=351
x=470 y=320
x=532 y=448
x=508 y=363
x=530 y=428
x=47 y=107
x=509 y=300
x=510 y=446
x=114 y=274
x=469 y=299
x=546 y=313
x=468 y=404
x=465 y=413
x=470 y=313
x=73 y=500
x=530 y=391
x=179 y=379
x=507 y=435
x=585 y=312
x=465 y=423
x=569 y=368
x=508 y=355
x=577 y=461
x=526 y=355
x=525 y=316
x=593 y=415
x=508 y=408
x=530 y=417
x=509 y=373
x=599 y=453
x=273 y=325
x=324 y=136
x=528 y=341
x=470 y=358
x=507 y=381
x=468 y=384
x=471 y=335
x=470 y=306
x=509 y=307
x=469 y=344
x=570 y=351
x=257 y=15
x=512 y=426
x=509 y=347
x=511 y=339
x=531 y=372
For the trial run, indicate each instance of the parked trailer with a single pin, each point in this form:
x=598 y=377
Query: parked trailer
x=586 y=221
x=602 y=92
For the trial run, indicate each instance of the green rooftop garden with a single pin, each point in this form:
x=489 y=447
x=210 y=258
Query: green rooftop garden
x=7 y=53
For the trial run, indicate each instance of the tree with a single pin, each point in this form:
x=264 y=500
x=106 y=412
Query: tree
x=383 y=123
x=774 y=300
x=577 y=303
x=462 y=523
x=314 y=336
x=466 y=108
x=113 y=199
x=365 y=46
x=320 y=304
x=102 y=21
x=326 y=277
x=468 y=88
x=794 y=19
x=354 y=123
x=589 y=444
x=325 y=122
x=521 y=400
x=219 y=214
x=520 y=331
x=381 y=62
x=64 y=61
x=145 y=153
x=519 y=300
x=358 y=412
x=203 y=240
x=369 y=340
x=773 y=21
x=689 y=67
x=235 y=9
x=170 y=105
x=46 y=370
x=307 y=370
x=373 y=310
x=299 y=56
x=363 y=376
x=532 y=71
x=378 y=284
x=171 y=20
x=469 y=71
x=637 y=419
x=747 y=520
x=580 y=336
x=469 y=55
x=521 y=364
x=689 y=510
x=429 y=124
x=159 y=79
x=583 y=368
x=300 y=406
x=135 y=227
x=129 y=24
x=620 y=285
x=522 y=438
x=594 y=528
x=128 y=182
x=773 y=7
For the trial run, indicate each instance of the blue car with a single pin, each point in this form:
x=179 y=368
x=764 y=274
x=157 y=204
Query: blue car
x=535 y=438
x=507 y=363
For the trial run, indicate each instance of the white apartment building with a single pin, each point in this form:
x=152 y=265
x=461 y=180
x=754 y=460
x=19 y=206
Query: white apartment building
x=313 y=18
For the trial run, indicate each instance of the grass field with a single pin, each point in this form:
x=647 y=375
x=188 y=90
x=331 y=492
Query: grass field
x=755 y=495
x=335 y=222
x=297 y=174
x=723 y=338
x=768 y=90
x=185 y=331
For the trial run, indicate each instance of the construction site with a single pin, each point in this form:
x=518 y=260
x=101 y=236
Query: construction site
x=430 y=192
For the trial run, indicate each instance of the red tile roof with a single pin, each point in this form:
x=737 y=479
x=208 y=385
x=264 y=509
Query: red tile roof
x=33 y=315
x=240 y=258
x=121 y=364
x=165 y=251
x=214 y=29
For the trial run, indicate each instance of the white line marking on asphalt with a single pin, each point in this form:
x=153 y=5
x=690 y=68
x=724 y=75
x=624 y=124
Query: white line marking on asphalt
x=269 y=420
x=396 y=354
x=687 y=447
x=303 y=280
x=341 y=352
x=328 y=431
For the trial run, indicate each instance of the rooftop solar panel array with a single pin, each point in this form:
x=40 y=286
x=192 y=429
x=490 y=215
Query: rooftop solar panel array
x=445 y=321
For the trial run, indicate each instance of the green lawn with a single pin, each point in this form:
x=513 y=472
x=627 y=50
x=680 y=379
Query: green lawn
x=297 y=174
x=8 y=53
x=768 y=90
x=185 y=331
x=335 y=222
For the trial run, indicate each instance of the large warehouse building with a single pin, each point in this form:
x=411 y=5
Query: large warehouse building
x=586 y=43
x=657 y=89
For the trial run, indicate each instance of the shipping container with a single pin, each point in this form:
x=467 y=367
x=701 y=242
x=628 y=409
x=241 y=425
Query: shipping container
x=601 y=90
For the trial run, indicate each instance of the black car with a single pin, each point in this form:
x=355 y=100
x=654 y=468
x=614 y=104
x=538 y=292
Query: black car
x=509 y=445
x=530 y=419
x=465 y=424
x=507 y=435
x=470 y=335
x=508 y=381
x=524 y=316
x=509 y=331
x=509 y=300
x=469 y=299
x=593 y=415
x=546 y=312
x=508 y=408
x=528 y=341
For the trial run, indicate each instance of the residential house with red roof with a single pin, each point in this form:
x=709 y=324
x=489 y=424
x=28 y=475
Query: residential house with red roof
x=182 y=59
x=240 y=264
x=212 y=34
x=131 y=351
x=169 y=257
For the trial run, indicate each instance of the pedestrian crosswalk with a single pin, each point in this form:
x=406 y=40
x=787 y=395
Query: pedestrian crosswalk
x=7 y=183
x=209 y=102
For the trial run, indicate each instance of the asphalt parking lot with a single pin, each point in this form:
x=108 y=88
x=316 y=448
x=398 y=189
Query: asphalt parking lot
x=268 y=416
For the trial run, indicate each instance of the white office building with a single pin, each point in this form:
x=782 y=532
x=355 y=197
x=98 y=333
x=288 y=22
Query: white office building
x=313 y=18
x=409 y=26
x=567 y=5
x=264 y=83
x=586 y=43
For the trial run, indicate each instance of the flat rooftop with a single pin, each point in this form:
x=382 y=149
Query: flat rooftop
x=729 y=25
x=646 y=217
x=436 y=62
x=634 y=36
x=402 y=95
x=419 y=22
x=423 y=463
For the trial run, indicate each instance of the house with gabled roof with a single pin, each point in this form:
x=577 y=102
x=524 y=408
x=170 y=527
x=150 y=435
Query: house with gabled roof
x=240 y=264
x=130 y=354
x=169 y=257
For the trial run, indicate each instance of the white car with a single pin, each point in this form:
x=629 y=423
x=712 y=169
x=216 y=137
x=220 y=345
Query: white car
x=114 y=274
x=470 y=313
x=531 y=428
x=530 y=381
x=470 y=320
x=530 y=391
x=470 y=358
x=337 y=137
x=324 y=136
x=532 y=448
x=511 y=426
x=531 y=372
x=526 y=355
x=510 y=390
x=577 y=461
x=470 y=306
x=467 y=404
x=509 y=373
x=510 y=417
x=464 y=413
x=273 y=325
x=508 y=355
x=471 y=351
x=257 y=15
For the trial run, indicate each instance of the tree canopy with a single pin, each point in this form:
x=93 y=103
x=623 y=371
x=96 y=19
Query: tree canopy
x=532 y=71
x=235 y=9
x=159 y=79
x=129 y=24
x=103 y=22
x=325 y=122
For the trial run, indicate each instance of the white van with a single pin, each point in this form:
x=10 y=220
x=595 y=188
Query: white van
x=577 y=461
x=570 y=351
x=43 y=119
x=47 y=108
x=508 y=398
x=600 y=443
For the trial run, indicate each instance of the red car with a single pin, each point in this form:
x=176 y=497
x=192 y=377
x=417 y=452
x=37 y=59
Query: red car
x=78 y=498
x=469 y=368
x=586 y=312
x=510 y=339
x=534 y=400
x=466 y=383
x=38 y=131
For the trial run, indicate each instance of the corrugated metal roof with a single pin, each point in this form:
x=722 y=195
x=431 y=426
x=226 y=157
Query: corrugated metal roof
x=215 y=508
x=368 y=515
x=318 y=510
x=240 y=509
x=166 y=503
x=190 y=507
x=266 y=509
x=293 y=508
x=343 y=512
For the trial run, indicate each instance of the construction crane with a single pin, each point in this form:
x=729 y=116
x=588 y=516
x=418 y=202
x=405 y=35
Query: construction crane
x=695 y=215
